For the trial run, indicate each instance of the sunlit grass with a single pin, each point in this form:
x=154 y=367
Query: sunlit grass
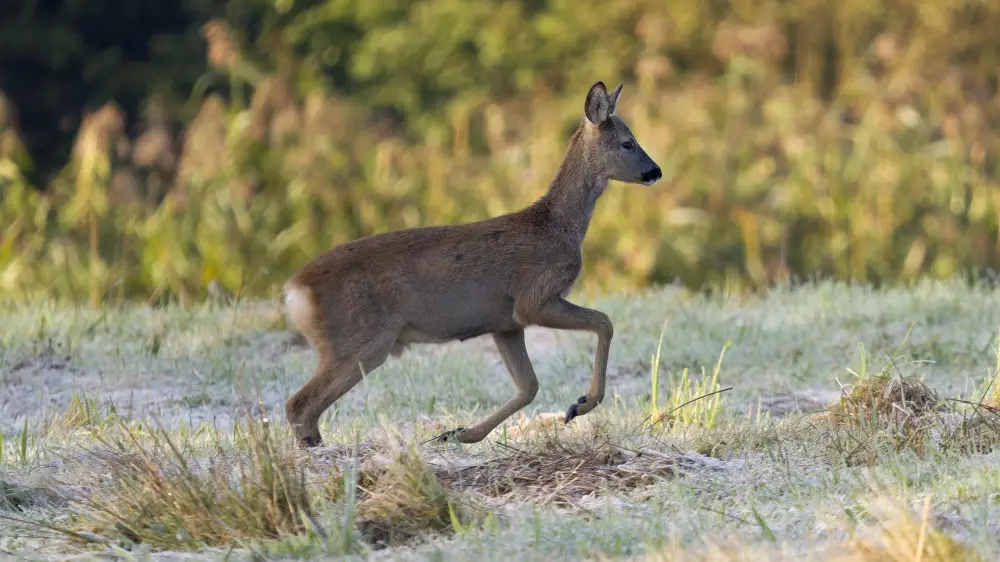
x=135 y=451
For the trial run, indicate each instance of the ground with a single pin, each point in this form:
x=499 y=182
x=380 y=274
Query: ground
x=159 y=433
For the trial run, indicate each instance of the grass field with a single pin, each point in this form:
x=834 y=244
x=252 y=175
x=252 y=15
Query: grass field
x=160 y=433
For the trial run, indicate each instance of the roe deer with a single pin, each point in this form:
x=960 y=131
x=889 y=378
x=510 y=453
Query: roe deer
x=367 y=299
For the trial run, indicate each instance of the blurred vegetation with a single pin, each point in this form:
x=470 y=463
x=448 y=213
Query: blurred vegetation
x=854 y=140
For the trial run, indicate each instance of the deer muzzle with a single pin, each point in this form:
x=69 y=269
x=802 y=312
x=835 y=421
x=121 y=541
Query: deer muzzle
x=649 y=177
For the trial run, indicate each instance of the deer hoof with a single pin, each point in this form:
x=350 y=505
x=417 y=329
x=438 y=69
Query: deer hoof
x=449 y=436
x=310 y=442
x=574 y=410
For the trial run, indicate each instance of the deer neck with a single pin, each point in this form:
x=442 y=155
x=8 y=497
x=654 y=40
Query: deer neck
x=574 y=192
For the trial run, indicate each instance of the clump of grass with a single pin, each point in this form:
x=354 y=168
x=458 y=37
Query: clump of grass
x=402 y=500
x=902 y=537
x=691 y=402
x=883 y=397
x=165 y=499
x=83 y=412
x=883 y=409
x=887 y=410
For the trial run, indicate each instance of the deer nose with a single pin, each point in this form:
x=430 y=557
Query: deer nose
x=652 y=175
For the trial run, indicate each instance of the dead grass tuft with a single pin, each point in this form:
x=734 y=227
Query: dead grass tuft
x=165 y=498
x=402 y=499
x=904 y=413
x=883 y=410
x=560 y=474
x=886 y=396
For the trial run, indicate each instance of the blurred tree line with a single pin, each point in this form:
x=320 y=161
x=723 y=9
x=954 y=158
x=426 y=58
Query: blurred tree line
x=151 y=149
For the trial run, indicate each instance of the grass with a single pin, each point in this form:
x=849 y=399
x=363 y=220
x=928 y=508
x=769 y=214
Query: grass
x=858 y=424
x=162 y=497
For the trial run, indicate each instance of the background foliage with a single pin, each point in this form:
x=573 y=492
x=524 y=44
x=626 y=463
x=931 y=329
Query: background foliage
x=159 y=151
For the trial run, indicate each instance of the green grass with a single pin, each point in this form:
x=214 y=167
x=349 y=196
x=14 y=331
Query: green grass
x=115 y=447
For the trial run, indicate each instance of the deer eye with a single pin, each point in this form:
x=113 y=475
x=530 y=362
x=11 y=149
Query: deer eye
x=628 y=145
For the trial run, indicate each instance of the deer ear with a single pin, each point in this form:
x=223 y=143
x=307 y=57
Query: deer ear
x=597 y=107
x=613 y=99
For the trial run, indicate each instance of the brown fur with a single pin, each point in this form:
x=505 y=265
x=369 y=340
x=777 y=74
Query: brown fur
x=370 y=298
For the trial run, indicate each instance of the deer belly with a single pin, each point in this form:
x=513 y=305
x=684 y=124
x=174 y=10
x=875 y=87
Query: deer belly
x=449 y=323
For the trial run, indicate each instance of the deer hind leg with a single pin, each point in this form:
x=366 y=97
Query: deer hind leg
x=515 y=358
x=334 y=377
x=561 y=314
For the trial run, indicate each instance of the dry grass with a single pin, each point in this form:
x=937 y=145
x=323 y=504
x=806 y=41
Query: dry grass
x=723 y=485
x=562 y=472
x=83 y=412
x=884 y=397
x=906 y=413
x=403 y=494
x=404 y=499
x=903 y=409
x=164 y=497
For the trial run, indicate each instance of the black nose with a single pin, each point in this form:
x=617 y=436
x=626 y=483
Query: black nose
x=652 y=175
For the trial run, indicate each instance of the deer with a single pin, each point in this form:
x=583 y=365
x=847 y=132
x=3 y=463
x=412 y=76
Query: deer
x=371 y=298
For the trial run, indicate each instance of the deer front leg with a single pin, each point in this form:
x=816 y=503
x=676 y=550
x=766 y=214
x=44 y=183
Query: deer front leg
x=561 y=314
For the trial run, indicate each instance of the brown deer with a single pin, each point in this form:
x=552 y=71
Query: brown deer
x=369 y=298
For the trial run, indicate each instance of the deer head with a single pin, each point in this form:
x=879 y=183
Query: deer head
x=610 y=146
